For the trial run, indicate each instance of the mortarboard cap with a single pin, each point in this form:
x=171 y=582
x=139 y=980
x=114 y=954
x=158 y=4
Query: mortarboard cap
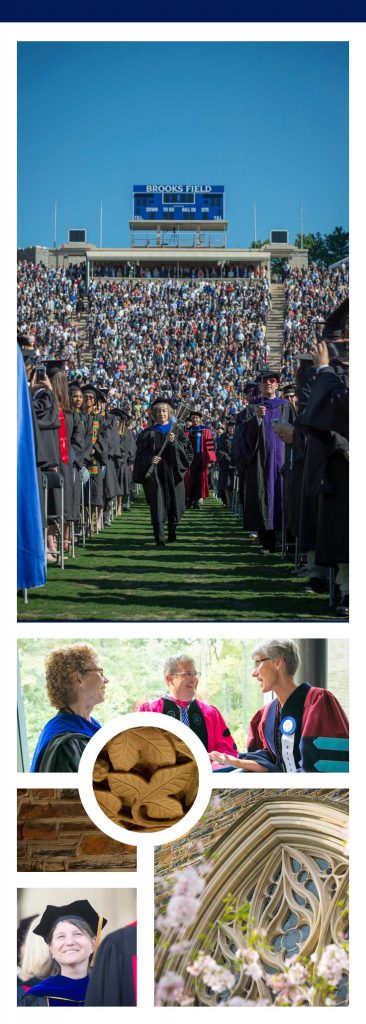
x=54 y=366
x=79 y=908
x=90 y=389
x=267 y=373
x=336 y=322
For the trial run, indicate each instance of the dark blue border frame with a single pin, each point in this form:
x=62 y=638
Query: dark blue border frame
x=190 y=11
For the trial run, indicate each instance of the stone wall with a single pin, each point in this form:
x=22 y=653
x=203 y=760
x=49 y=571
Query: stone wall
x=55 y=834
x=224 y=809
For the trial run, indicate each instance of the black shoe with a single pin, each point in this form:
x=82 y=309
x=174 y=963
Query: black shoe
x=196 y=506
x=160 y=544
x=343 y=607
x=316 y=586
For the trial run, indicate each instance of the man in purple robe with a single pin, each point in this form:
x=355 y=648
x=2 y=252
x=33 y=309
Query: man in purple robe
x=260 y=455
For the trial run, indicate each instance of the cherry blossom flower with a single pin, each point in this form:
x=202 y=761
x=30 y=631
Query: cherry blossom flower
x=169 y=989
x=332 y=964
x=188 y=882
x=216 y=977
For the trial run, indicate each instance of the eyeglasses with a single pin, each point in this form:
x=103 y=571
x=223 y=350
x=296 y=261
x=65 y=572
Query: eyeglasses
x=193 y=675
x=260 y=662
x=92 y=668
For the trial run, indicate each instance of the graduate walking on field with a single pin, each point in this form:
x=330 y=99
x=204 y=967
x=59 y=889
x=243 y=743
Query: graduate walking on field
x=162 y=476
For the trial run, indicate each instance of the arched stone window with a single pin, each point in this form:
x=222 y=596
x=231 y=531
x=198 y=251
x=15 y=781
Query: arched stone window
x=287 y=860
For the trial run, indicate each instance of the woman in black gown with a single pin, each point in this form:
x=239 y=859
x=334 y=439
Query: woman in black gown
x=164 y=488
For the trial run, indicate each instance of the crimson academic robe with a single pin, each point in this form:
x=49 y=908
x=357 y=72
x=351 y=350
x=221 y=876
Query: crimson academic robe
x=205 y=720
x=309 y=733
x=200 y=464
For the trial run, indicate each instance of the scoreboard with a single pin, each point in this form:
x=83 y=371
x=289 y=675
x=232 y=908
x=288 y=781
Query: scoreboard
x=178 y=202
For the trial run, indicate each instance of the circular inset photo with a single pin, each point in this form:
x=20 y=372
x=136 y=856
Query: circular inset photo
x=145 y=779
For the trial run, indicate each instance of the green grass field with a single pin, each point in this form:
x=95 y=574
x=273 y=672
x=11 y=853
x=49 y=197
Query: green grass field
x=212 y=573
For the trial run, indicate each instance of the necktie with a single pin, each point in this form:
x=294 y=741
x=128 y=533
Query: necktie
x=184 y=716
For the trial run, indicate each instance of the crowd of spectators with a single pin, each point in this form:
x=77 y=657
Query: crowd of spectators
x=198 y=340
x=224 y=269
x=311 y=294
x=202 y=338
x=50 y=304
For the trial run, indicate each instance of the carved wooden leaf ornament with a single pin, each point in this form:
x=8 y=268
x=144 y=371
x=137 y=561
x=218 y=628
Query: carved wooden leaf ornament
x=145 y=779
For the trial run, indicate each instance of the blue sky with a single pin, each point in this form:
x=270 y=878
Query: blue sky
x=269 y=121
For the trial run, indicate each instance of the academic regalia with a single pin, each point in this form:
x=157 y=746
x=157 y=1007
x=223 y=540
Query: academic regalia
x=260 y=455
x=324 y=422
x=57 y=991
x=113 y=448
x=205 y=720
x=113 y=981
x=95 y=429
x=309 y=733
x=164 y=489
x=127 y=453
x=48 y=422
x=225 y=458
x=69 y=470
x=196 y=480
x=294 y=463
x=62 y=742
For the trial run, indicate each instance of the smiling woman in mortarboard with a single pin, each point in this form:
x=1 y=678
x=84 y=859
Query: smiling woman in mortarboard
x=72 y=934
x=164 y=487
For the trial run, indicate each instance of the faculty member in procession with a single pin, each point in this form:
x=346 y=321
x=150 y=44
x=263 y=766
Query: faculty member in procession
x=203 y=446
x=304 y=729
x=259 y=455
x=164 y=484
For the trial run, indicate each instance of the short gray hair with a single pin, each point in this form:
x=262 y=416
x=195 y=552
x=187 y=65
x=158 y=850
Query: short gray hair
x=171 y=664
x=286 y=649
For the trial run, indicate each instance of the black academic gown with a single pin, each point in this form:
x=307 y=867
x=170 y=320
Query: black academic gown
x=44 y=407
x=260 y=480
x=99 y=457
x=113 y=447
x=324 y=422
x=126 y=458
x=112 y=980
x=225 y=447
x=164 y=490
x=70 y=470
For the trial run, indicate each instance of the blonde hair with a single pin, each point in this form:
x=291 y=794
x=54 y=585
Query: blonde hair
x=35 y=954
x=62 y=668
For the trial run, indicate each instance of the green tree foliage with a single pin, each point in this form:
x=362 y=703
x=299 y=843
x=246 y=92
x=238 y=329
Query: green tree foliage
x=135 y=672
x=325 y=249
x=259 y=244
